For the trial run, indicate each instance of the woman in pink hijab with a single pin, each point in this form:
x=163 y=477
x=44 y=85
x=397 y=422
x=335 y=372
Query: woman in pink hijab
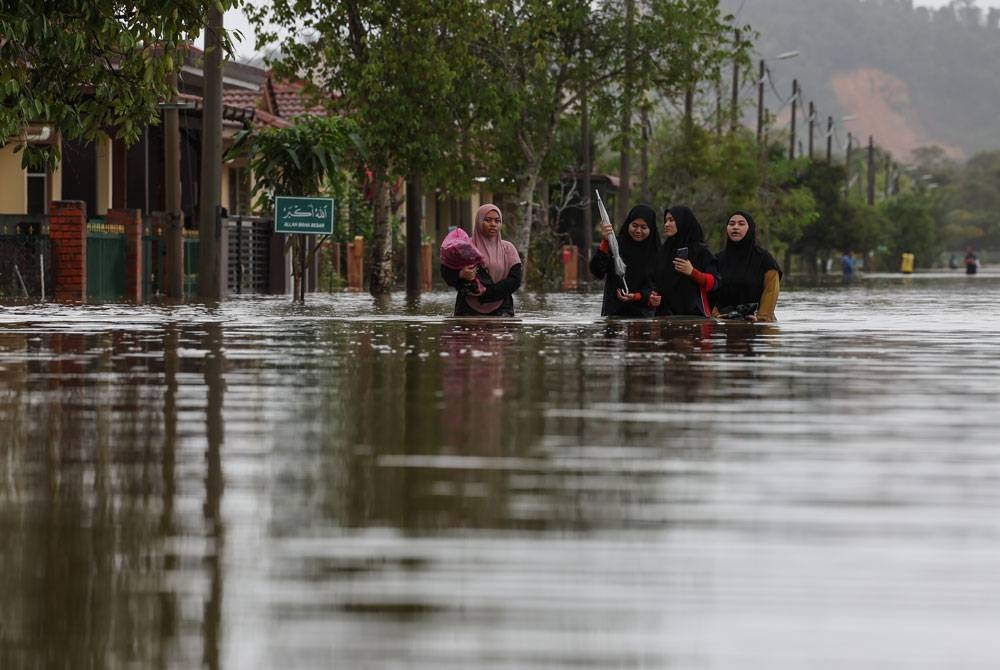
x=499 y=274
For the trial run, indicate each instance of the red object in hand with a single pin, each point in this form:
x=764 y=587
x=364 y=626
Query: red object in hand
x=458 y=253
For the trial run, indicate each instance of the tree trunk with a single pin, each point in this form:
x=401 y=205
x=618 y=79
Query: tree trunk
x=587 y=195
x=625 y=166
x=381 y=278
x=414 y=234
x=644 y=155
x=519 y=232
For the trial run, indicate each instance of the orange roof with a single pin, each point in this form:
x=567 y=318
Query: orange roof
x=288 y=99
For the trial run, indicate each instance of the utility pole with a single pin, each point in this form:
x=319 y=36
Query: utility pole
x=795 y=101
x=888 y=175
x=414 y=232
x=760 y=102
x=173 y=235
x=812 y=125
x=689 y=108
x=847 y=165
x=871 y=170
x=829 y=139
x=211 y=284
x=585 y=196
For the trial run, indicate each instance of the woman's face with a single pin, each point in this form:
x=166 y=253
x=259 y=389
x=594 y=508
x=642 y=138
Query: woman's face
x=669 y=225
x=491 y=223
x=638 y=229
x=737 y=228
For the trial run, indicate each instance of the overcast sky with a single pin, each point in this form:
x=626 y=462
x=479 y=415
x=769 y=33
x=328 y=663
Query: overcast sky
x=235 y=20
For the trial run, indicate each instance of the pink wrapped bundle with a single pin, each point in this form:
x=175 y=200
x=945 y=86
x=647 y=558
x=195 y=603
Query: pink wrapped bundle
x=457 y=252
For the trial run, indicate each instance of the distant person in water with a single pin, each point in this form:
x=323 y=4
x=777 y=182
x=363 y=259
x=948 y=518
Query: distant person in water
x=639 y=244
x=686 y=270
x=971 y=262
x=499 y=275
x=847 y=265
x=751 y=277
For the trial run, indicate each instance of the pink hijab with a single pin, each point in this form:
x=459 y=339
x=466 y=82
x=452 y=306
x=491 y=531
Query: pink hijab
x=500 y=257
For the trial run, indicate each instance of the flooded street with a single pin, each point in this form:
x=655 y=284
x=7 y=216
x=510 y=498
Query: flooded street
x=346 y=485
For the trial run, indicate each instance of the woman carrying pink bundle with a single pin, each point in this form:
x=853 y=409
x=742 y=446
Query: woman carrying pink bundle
x=457 y=253
x=484 y=288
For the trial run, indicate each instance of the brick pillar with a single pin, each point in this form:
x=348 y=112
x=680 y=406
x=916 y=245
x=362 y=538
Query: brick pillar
x=68 y=232
x=131 y=221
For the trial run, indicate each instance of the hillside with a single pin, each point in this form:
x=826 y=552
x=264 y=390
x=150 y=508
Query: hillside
x=914 y=77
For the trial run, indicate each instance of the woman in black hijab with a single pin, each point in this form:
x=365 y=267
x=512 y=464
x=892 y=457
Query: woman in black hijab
x=751 y=277
x=638 y=243
x=686 y=270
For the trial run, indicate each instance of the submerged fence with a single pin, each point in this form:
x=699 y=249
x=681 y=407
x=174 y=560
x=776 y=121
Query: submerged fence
x=123 y=256
x=25 y=257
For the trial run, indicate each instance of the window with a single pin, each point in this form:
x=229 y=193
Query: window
x=239 y=191
x=38 y=201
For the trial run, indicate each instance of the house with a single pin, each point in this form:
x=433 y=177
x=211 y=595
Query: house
x=108 y=174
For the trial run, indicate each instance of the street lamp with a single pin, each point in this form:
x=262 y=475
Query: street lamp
x=763 y=77
x=829 y=134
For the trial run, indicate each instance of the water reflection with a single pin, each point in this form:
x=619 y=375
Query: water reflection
x=260 y=484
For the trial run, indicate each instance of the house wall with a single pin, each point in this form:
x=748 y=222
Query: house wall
x=55 y=183
x=224 y=199
x=14 y=193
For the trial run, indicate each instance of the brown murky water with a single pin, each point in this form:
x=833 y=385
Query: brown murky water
x=377 y=486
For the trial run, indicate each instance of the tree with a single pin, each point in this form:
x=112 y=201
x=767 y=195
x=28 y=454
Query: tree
x=683 y=44
x=86 y=66
x=303 y=160
x=404 y=70
x=541 y=55
x=912 y=230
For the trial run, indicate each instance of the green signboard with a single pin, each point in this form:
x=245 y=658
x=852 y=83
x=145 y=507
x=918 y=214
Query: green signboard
x=312 y=216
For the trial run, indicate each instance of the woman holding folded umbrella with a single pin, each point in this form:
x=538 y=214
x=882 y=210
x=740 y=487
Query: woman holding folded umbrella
x=638 y=244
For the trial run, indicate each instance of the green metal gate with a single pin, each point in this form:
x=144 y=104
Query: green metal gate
x=105 y=261
x=154 y=261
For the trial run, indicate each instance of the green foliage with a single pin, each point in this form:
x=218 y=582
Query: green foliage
x=89 y=66
x=714 y=175
x=402 y=69
x=839 y=224
x=911 y=229
x=965 y=199
x=303 y=160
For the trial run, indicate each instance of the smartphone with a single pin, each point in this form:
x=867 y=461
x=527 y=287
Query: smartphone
x=682 y=253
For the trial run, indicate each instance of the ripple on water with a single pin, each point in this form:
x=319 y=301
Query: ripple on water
x=257 y=484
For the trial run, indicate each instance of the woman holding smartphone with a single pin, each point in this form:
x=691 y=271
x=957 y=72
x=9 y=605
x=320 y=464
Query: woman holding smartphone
x=686 y=270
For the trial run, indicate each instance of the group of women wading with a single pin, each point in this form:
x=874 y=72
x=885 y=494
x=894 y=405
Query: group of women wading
x=678 y=277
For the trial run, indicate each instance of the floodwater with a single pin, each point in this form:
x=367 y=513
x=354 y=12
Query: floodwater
x=358 y=485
